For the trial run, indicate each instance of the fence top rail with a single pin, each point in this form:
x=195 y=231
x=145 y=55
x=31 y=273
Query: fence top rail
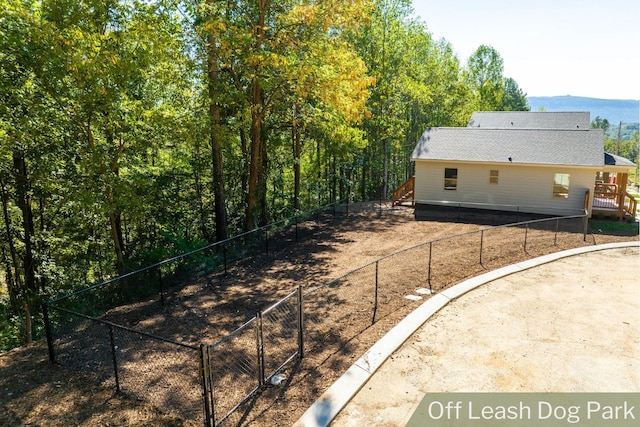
x=514 y=224
x=187 y=254
x=125 y=328
x=337 y=279
x=281 y=301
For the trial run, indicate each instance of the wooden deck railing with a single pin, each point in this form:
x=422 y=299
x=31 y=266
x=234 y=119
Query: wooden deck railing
x=630 y=204
x=609 y=198
x=404 y=192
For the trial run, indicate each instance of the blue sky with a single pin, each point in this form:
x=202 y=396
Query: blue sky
x=562 y=47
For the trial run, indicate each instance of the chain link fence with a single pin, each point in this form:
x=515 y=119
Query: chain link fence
x=217 y=382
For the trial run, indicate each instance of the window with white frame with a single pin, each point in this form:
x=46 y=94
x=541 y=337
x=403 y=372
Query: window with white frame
x=561 y=185
x=450 y=179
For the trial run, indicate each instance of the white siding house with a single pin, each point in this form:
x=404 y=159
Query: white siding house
x=524 y=188
x=543 y=163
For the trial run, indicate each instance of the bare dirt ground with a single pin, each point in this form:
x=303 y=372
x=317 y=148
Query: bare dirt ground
x=35 y=392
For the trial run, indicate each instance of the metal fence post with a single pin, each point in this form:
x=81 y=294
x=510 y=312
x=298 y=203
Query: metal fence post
x=113 y=356
x=207 y=387
x=555 y=237
x=481 y=244
x=300 y=324
x=47 y=329
x=259 y=349
x=429 y=269
x=161 y=285
x=585 y=226
x=526 y=232
x=224 y=257
x=375 y=303
x=266 y=240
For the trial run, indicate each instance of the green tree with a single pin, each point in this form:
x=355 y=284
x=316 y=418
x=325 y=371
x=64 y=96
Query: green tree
x=418 y=84
x=264 y=50
x=29 y=135
x=214 y=20
x=88 y=92
x=513 y=98
x=600 y=123
x=484 y=73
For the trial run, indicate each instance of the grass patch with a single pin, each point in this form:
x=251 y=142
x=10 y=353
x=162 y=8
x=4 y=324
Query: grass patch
x=604 y=225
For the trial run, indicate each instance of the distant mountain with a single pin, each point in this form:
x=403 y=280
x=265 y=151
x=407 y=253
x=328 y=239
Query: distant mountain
x=614 y=110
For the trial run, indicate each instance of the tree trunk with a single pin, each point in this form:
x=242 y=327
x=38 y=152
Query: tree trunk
x=214 y=138
x=363 y=182
x=256 y=162
x=262 y=180
x=28 y=327
x=334 y=179
x=244 y=176
x=115 y=219
x=198 y=187
x=118 y=241
x=385 y=172
x=13 y=280
x=295 y=131
x=23 y=199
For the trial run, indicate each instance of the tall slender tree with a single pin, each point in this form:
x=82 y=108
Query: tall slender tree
x=485 y=69
x=215 y=11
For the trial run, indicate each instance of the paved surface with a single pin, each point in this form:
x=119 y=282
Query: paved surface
x=569 y=322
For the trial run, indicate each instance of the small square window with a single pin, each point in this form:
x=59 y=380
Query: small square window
x=493 y=177
x=450 y=179
x=561 y=185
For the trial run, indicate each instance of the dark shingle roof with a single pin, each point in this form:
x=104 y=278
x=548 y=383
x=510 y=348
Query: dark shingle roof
x=529 y=120
x=613 y=160
x=524 y=146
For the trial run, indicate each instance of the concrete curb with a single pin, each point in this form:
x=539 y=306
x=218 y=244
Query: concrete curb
x=332 y=401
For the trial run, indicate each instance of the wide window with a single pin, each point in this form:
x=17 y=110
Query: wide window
x=493 y=177
x=450 y=178
x=561 y=185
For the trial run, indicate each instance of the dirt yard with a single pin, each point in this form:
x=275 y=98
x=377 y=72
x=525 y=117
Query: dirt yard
x=36 y=392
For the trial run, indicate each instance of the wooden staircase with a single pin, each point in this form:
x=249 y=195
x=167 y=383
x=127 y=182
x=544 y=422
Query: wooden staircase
x=404 y=193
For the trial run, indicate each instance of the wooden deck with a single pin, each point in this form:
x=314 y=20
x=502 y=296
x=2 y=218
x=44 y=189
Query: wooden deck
x=611 y=200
